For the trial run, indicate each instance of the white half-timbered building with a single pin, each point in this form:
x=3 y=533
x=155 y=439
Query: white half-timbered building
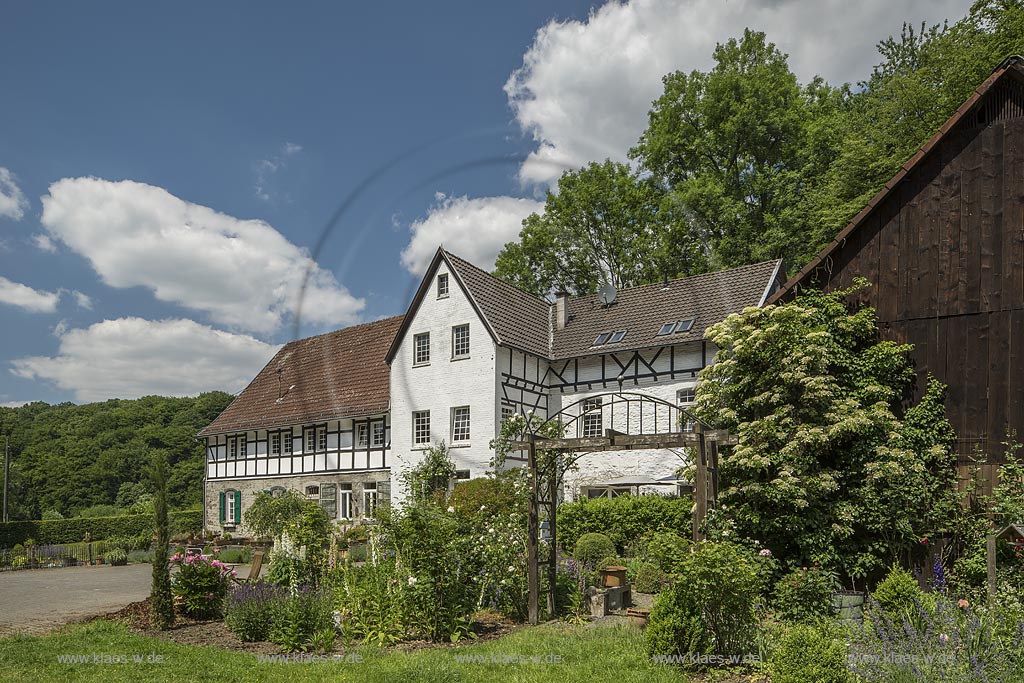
x=337 y=416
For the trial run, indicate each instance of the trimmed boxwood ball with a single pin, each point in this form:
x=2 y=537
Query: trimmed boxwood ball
x=592 y=548
x=809 y=653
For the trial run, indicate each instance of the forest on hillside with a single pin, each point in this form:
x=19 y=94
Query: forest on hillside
x=67 y=459
x=743 y=163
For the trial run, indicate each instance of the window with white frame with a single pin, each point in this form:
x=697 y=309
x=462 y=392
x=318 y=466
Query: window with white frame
x=344 y=501
x=442 y=285
x=313 y=491
x=369 y=499
x=420 y=427
x=378 y=435
x=460 y=341
x=310 y=440
x=329 y=500
x=460 y=424
x=275 y=443
x=321 y=439
x=592 y=422
x=507 y=411
x=288 y=443
x=243 y=446
x=686 y=398
x=233 y=448
x=362 y=435
x=421 y=349
x=229 y=500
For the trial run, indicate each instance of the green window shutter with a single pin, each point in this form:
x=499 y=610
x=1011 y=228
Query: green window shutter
x=238 y=507
x=222 y=507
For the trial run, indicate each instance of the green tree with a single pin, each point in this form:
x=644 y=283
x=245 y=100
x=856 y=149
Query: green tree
x=605 y=225
x=161 y=598
x=828 y=467
x=734 y=149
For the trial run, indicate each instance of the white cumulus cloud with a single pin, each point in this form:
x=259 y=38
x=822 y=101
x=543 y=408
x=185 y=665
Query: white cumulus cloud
x=241 y=273
x=132 y=357
x=12 y=200
x=23 y=296
x=585 y=87
x=475 y=229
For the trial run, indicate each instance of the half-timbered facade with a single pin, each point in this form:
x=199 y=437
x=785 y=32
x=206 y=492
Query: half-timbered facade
x=341 y=415
x=943 y=247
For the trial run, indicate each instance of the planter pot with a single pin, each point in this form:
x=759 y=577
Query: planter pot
x=613 y=577
x=848 y=605
x=638 y=617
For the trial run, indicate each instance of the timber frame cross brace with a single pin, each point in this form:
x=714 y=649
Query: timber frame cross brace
x=704 y=440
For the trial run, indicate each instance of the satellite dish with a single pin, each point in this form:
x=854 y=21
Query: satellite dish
x=607 y=294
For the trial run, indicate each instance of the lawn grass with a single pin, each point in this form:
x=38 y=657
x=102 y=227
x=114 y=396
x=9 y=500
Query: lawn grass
x=613 y=653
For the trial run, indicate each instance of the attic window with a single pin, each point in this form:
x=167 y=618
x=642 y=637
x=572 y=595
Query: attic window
x=684 y=325
x=602 y=339
x=617 y=336
x=442 y=285
x=667 y=328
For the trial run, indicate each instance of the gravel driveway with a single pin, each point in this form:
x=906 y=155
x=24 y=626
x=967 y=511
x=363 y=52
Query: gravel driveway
x=36 y=600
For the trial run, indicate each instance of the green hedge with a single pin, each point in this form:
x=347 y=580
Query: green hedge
x=74 y=529
x=624 y=519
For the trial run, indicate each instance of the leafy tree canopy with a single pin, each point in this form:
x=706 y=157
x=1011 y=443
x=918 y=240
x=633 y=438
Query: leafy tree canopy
x=829 y=466
x=67 y=458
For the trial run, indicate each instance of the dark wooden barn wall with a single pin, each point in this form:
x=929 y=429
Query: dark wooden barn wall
x=945 y=252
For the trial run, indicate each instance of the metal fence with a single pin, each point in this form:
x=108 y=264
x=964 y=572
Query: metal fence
x=52 y=555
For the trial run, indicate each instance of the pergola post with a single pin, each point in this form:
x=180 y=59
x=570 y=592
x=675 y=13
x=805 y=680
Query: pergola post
x=553 y=541
x=700 y=487
x=532 y=543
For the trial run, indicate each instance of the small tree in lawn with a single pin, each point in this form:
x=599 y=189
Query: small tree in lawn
x=162 y=601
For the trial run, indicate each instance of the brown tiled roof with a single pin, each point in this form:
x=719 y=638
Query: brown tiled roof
x=1010 y=67
x=333 y=375
x=517 y=318
x=641 y=311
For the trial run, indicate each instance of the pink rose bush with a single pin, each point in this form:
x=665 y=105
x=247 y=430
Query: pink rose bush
x=200 y=584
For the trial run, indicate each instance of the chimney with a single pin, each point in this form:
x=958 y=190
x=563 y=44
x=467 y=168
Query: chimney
x=561 y=309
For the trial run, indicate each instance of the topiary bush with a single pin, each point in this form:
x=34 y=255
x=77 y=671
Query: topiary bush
x=592 y=548
x=809 y=653
x=805 y=595
x=898 y=593
x=651 y=579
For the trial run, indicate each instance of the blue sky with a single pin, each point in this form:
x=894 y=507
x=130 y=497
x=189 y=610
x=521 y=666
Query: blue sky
x=164 y=172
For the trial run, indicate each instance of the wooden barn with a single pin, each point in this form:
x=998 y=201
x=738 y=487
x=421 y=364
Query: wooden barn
x=943 y=246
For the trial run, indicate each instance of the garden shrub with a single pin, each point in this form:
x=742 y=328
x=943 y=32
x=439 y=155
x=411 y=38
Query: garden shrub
x=294 y=522
x=809 y=653
x=137 y=556
x=712 y=607
x=624 y=519
x=235 y=556
x=805 y=595
x=504 y=494
x=200 y=585
x=664 y=549
x=302 y=620
x=591 y=548
x=651 y=579
x=250 y=610
x=116 y=557
x=18 y=549
x=610 y=561
x=898 y=594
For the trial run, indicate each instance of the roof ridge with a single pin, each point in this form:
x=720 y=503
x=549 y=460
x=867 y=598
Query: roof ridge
x=494 y=277
x=686 y=278
x=347 y=328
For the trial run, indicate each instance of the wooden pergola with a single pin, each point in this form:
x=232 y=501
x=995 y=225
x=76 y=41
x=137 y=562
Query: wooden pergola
x=665 y=426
